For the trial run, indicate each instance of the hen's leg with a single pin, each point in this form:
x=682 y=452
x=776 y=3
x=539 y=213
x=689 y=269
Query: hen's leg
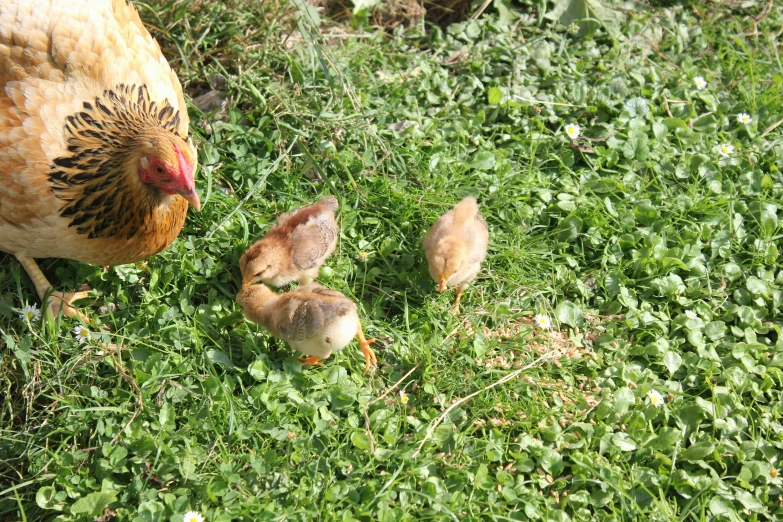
x=311 y=361
x=369 y=355
x=57 y=300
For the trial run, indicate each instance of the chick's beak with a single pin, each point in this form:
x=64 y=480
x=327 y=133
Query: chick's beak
x=250 y=279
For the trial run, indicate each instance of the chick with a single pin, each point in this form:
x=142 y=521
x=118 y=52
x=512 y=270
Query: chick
x=311 y=319
x=455 y=247
x=294 y=248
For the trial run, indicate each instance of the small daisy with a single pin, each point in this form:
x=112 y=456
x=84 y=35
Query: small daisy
x=403 y=397
x=193 y=516
x=690 y=314
x=700 y=82
x=362 y=256
x=30 y=313
x=656 y=399
x=543 y=321
x=82 y=334
x=744 y=117
x=726 y=150
x=774 y=473
x=572 y=130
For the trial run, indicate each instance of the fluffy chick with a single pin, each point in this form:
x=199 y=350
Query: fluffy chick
x=294 y=248
x=455 y=247
x=311 y=319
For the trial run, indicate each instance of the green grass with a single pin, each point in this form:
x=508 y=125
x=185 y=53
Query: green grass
x=185 y=406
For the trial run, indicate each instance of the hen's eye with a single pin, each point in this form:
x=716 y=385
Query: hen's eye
x=159 y=169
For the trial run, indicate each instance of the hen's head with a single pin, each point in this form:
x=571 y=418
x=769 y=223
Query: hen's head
x=167 y=163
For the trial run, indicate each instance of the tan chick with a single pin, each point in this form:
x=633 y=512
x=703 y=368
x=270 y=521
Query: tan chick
x=294 y=248
x=311 y=319
x=455 y=247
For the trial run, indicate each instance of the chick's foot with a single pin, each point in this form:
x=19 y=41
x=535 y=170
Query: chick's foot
x=369 y=356
x=455 y=306
x=311 y=361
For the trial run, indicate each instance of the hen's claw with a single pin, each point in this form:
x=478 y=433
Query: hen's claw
x=56 y=301
x=61 y=301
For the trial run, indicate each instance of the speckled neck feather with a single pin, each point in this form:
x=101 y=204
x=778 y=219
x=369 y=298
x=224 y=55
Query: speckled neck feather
x=94 y=179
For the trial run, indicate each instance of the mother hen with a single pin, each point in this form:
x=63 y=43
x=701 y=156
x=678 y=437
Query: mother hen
x=95 y=160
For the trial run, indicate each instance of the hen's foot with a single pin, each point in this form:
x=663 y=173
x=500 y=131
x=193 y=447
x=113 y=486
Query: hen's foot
x=311 y=361
x=61 y=301
x=369 y=356
x=56 y=301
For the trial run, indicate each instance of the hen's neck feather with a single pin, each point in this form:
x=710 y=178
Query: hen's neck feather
x=97 y=180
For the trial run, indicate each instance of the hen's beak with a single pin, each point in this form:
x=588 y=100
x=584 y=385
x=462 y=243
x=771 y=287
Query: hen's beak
x=187 y=182
x=441 y=284
x=192 y=198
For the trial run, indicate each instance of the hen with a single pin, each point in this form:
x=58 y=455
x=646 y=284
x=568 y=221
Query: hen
x=294 y=248
x=456 y=245
x=311 y=319
x=95 y=160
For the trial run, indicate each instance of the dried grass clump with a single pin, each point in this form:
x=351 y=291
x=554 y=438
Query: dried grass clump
x=393 y=13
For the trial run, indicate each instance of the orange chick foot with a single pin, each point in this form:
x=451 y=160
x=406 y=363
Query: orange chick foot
x=455 y=306
x=311 y=361
x=369 y=356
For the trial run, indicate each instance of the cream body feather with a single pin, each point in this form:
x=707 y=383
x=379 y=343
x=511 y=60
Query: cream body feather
x=67 y=67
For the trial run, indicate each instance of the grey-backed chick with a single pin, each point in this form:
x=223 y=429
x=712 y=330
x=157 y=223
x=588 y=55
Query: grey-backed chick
x=294 y=248
x=456 y=245
x=311 y=319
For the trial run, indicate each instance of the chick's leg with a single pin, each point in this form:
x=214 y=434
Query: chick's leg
x=57 y=300
x=455 y=306
x=369 y=355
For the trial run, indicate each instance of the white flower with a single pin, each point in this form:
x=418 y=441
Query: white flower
x=543 y=321
x=572 y=130
x=403 y=397
x=744 y=117
x=193 y=516
x=726 y=150
x=82 y=334
x=656 y=399
x=700 y=82
x=30 y=313
x=690 y=314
